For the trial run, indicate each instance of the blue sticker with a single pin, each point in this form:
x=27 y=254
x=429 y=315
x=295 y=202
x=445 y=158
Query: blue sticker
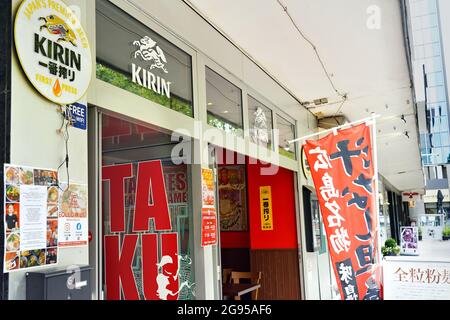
x=78 y=114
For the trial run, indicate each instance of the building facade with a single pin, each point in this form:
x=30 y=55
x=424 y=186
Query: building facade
x=171 y=101
x=429 y=49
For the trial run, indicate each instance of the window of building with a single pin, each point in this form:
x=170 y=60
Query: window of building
x=142 y=61
x=260 y=122
x=286 y=130
x=224 y=103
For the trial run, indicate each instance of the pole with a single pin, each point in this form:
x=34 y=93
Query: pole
x=373 y=117
x=376 y=195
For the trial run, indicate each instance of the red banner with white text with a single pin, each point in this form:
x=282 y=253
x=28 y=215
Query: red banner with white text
x=343 y=173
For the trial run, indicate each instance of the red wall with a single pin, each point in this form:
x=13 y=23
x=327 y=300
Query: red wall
x=230 y=239
x=284 y=233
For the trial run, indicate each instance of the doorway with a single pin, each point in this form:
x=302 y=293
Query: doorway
x=258 y=228
x=160 y=255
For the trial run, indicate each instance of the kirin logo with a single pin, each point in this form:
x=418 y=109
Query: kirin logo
x=149 y=51
x=55 y=25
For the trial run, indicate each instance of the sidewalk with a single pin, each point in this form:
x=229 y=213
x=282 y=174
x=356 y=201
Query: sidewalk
x=434 y=249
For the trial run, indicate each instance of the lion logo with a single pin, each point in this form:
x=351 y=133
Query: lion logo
x=55 y=25
x=151 y=52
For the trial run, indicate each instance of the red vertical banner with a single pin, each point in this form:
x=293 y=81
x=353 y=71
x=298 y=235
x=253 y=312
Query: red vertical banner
x=209 y=226
x=343 y=173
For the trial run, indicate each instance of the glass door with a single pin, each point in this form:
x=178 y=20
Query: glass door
x=148 y=249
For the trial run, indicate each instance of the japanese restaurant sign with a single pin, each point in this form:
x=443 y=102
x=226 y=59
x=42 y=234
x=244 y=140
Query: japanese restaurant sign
x=208 y=196
x=209 y=215
x=343 y=173
x=73 y=215
x=265 y=196
x=30 y=217
x=416 y=279
x=209 y=227
x=53 y=50
x=150 y=231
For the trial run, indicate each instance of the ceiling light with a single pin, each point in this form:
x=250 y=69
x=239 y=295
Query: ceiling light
x=210 y=103
x=226 y=111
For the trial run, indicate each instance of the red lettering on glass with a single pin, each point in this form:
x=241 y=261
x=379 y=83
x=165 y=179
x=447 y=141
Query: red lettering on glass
x=116 y=176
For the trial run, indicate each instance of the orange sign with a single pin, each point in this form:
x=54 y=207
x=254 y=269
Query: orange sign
x=343 y=174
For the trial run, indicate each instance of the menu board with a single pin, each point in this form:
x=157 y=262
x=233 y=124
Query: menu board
x=30 y=217
x=208 y=197
x=73 y=215
x=209 y=226
x=209 y=215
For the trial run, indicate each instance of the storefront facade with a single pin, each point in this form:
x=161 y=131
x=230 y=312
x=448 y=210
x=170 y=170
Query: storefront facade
x=167 y=91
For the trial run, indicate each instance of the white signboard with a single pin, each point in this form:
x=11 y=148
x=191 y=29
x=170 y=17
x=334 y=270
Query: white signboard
x=409 y=241
x=413 y=278
x=53 y=50
x=33 y=212
x=30 y=218
x=73 y=216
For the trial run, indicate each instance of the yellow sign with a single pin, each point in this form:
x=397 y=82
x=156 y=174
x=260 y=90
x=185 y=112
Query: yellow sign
x=265 y=196
x=53 y=50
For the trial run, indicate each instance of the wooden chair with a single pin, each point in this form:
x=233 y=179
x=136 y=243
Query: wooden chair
x=253 y=277
x=226 y=275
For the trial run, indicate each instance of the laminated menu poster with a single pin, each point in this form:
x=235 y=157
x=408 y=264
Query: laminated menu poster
x=73 y=215
x=30 y=218
x=208 y=187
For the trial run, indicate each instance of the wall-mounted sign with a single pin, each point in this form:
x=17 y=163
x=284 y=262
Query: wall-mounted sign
x=209 y=227
x=150 y=56
x=30 y=218
x=73 y=215
x=53 y=50
x=208 y=192
x=413 y=278
x=265 y=197
x=77 y=115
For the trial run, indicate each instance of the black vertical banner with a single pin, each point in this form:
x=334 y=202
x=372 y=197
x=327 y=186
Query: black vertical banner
x=5 y=118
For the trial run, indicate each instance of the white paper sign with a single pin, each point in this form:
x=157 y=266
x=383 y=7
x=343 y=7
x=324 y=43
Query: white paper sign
x=33 y=211
x=30 y=217
x=408 y=278
x=73 y=216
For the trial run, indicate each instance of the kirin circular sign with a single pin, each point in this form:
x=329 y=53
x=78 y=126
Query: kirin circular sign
x=53 y=50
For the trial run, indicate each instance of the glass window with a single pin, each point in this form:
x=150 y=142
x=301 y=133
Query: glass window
x=436 y=94
x=286 y=132
x=419 y=52
x=224 y=103
x=127 y=143
x=260 y=122
x=135 y=58
x=435 y=79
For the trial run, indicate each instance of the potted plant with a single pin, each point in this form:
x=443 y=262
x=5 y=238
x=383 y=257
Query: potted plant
x=420 y=234
x=446 y=233
x=390 y=248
